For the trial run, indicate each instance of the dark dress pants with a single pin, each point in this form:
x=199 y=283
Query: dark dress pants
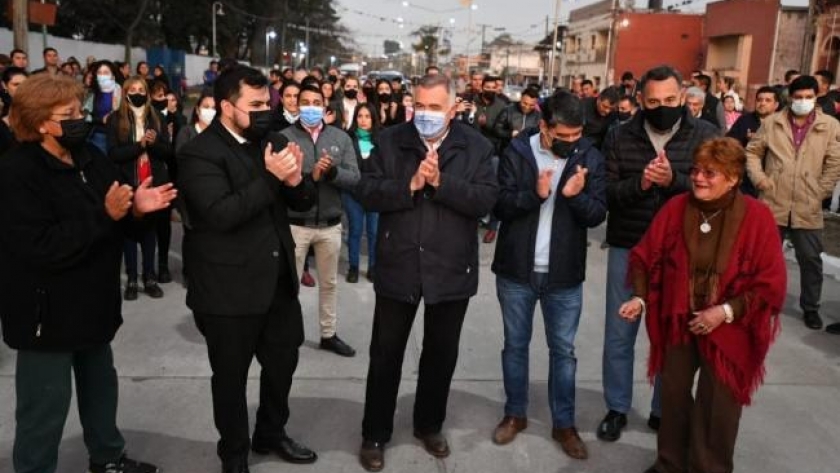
x=232 y=342
x=392 y=321
x=697 y=433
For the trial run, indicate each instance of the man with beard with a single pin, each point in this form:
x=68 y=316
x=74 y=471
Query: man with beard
x=238 y=183
x=648 y=161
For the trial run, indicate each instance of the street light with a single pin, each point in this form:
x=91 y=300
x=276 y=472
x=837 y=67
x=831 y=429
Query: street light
x=269 y=35
x=217 y=10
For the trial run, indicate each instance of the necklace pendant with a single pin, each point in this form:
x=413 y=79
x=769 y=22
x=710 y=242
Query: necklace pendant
x=705 y=227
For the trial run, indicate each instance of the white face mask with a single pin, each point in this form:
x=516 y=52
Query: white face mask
x=801 y=107
x=106 y=83
x=206 y=115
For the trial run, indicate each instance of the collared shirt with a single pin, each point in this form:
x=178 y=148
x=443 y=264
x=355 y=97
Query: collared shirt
x=545 y=160
x=239 y=138
x=799 y=132
x=290 y=117
x=434 y=145
x=349 y=110
x=315 y=132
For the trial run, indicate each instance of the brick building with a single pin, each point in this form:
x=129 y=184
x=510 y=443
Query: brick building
x=755 y=41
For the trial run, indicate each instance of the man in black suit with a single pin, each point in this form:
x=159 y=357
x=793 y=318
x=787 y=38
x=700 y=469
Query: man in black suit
x=238 y=182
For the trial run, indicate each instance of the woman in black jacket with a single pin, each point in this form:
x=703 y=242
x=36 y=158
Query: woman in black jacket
x=139 y=143
x=390 y=111
x=63 y=214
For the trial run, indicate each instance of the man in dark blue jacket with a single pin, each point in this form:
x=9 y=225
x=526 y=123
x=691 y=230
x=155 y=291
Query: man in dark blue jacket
x=552 y=189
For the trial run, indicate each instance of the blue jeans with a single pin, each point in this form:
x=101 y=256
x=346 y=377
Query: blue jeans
x=357 y=219
x=561 y=310
x=620 y=340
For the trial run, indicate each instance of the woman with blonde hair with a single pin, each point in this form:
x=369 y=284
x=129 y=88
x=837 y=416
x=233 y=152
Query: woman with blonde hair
x=138 y=142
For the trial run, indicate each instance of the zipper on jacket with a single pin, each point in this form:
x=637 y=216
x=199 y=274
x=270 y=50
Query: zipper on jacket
x=82 y=175
x=318 y=183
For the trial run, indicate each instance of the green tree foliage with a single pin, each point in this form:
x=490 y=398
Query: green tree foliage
x=429 y=43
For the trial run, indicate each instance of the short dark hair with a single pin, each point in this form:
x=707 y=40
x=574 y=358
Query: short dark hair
x=431 y=68
x=310 y=80
x=48 y=49
x=609 y=94
x=790 y=73
x=660 y=73
x=12 y=71
x=563 y=108
x=489 y=78
x=705 y=81
x=587 y=82
x=803 y=83
x=768 y=89
x=310 y=87
x=630 y=99
x=825 y=74
x=229 y=84
x=17 y=51
x=531 y=92
x=287 y=84
x=275 y=72
x=627 y=76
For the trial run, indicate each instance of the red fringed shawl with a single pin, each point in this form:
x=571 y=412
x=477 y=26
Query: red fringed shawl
x=756 y=270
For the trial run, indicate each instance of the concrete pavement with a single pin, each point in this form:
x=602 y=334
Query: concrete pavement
x=165 y=408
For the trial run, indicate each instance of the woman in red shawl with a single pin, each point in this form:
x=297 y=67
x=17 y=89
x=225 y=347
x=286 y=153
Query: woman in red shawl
x=710 y=277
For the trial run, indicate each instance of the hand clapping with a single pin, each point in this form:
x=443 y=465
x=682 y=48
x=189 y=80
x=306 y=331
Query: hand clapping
x=286 y=165
x=429 y=168
x=576 y=183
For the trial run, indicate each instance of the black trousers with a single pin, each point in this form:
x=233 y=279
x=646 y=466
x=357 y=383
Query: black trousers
x=392 y=321
x=232 y=342
x=163 y=229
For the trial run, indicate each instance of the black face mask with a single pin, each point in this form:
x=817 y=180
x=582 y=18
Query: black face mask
x=160 y=105
x=488 y=96
x=351 y=94
x=624 y=116
x=563 y=149
x=138 y=100
x=74 y=133
x=259 y=127
x=384 y=97
x=333 y=79
x=663 y=118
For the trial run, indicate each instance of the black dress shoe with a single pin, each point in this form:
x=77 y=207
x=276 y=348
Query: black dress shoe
x=164 y=276
x=812 y=320
x=353 y=275
x=833 y=329
x=654 y=421
x=371 y=272
x=372 y=455
x=610 y=428
x=435 y=444
x=652 y=470
x=285 y=448
x=337 y=346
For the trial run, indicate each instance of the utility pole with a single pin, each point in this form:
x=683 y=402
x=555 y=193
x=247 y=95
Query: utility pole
x=554 y=45
x=20 y=24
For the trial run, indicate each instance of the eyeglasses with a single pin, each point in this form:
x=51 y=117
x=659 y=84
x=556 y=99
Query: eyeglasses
x=707 y=173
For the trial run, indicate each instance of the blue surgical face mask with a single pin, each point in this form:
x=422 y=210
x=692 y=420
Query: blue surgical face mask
x=430 y=124
x=311 y=115
x=106 y=83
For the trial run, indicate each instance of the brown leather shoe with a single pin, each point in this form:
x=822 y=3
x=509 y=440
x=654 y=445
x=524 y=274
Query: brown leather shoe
x=372 y=455
x=571 y=443
x=435 y=444
x=508 y=428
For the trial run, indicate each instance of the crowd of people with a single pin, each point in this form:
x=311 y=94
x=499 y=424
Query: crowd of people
x=267 y=169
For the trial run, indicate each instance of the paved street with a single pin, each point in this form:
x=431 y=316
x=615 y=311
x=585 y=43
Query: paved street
x=165 y=408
